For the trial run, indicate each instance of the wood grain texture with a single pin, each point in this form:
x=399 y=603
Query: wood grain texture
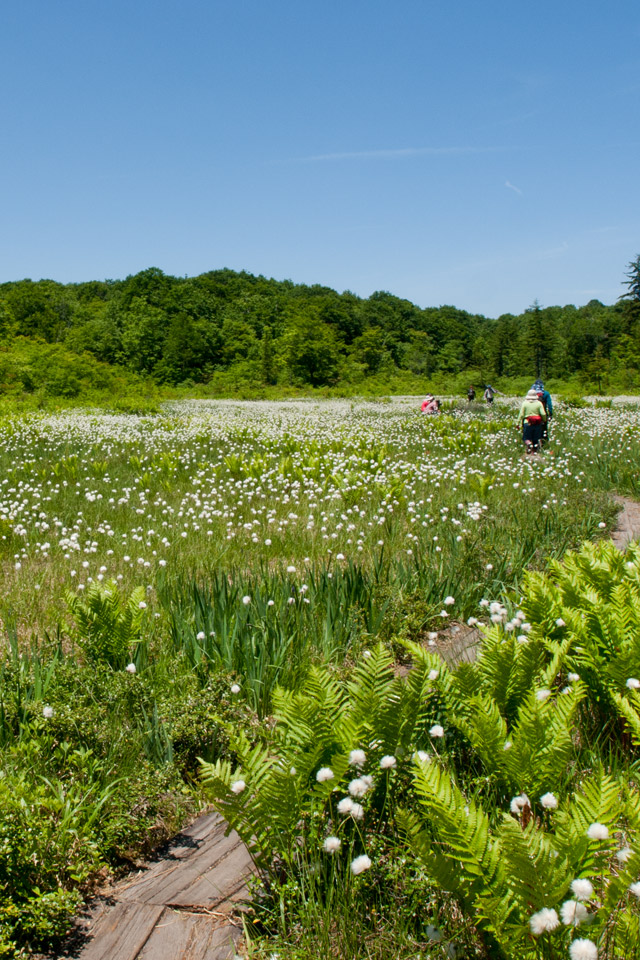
x=161 y=913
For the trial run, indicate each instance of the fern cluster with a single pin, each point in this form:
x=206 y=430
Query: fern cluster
x=107 y=625
x=484 y=775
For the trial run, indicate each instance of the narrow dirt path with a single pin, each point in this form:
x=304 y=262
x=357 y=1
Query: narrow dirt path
x=179 y=907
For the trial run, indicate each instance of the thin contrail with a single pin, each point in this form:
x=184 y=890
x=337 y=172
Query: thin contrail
x=396 y=153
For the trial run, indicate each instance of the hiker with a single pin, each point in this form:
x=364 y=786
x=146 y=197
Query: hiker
x=489 y=393
x=545 y=399
x=471 y=394
x=430 y=404
x=531 y=420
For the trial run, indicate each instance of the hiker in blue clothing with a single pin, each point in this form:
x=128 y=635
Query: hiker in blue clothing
x=545 y=399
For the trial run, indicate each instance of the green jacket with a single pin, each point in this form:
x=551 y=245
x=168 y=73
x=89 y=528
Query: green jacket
x=531 y=408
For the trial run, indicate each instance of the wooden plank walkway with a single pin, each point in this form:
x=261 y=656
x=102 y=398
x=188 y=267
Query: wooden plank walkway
x=179 y=907
x=628 y=523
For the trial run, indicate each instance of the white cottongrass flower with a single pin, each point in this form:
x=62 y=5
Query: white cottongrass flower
x=345 y=806
x=582 y=889
x=602 y=525
x=633 y=684
x=246 y=600
x=130 y=668
x=422 y=756
x=235 y=688
x=507 y=745
x=434 y=674
x=549 y=801
x=573 y=677
x=544 y=921
x=360 y=864
x=357 y=811
x=573 y=913
x=519 y=803
x=598 y=831
x=449 y=601
x=238 y=786
x=331 y=845
x=357 y=758
x=291 y=569
x=583 y=950
x=358 y=788
x=635 y=889
x=47 y=712
x=388 y=762
x=201 y=635
x=142 y=605
x=436 y=731
x=324 y=773
x=623 y=855
x=542 y=694
x=560 y=622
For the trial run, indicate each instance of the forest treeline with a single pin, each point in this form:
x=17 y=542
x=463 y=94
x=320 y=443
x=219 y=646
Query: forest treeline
x=231 y=329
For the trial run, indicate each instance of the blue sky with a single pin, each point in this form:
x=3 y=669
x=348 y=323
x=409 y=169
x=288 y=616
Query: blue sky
x=482 y=155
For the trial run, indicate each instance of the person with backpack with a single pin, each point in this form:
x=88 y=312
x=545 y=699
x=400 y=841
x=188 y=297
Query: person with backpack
x=531 y=420
x=471 y=394
x=545 y=399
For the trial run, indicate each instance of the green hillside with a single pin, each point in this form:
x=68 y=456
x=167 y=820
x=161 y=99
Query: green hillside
x=235 y=332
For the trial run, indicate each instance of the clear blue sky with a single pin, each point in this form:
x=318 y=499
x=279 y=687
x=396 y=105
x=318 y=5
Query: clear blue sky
x=476 y=154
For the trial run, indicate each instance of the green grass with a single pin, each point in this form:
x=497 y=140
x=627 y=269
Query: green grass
x=344 y=523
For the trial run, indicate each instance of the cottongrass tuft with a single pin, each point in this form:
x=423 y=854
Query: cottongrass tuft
x=544 y=921
x=360 y=864
x=358 y=788
x=583 y=950
x=582 y=889
x=238 y=787
x=633 y=684
x=345 y=805
x=543 y=694
x=598 y=831
x=436 y=731
x=331 y=845
x=623 y=855
x=357 y=758
x=388 y=762
x=635 y=889
x=47 y=712
x=573 y=913
x=549 y=801
x=519 y=803
x=130 y=668
x=324 y=773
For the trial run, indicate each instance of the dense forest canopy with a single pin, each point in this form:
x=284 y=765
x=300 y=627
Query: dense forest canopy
x=235 y=327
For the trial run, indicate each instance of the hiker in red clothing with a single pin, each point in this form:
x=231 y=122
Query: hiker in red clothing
x=430 y=404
